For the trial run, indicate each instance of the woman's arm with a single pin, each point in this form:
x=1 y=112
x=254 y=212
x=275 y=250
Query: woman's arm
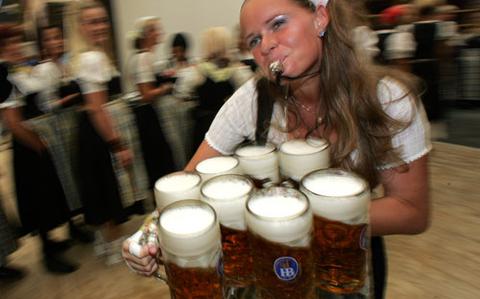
x=14 y=121
x=405 y=209
x=104 y=126
x=149 y=92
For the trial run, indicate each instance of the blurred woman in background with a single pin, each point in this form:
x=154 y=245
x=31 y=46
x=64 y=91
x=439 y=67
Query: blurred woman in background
x=211 y=81
x=40 y=197
x=98 y=139
x=156 y=151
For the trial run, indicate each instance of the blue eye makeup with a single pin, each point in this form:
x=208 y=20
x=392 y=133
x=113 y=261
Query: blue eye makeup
x=277 y=22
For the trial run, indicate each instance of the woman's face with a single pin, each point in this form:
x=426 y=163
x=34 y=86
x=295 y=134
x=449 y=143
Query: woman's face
x=153 y=33
x=12 y=50
x=95 y=25
x=283 y=30
x=52 y=41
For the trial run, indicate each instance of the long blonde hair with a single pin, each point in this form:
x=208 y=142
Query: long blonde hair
x=349 y=87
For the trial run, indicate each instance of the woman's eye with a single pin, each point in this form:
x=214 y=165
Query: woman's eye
x=253 y=42
x=277 y=23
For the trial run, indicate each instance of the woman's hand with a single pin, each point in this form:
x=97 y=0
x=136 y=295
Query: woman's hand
x=124 y=156
x=145 y=263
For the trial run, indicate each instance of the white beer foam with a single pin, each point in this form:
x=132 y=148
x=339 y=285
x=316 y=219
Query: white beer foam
x=277 y=221
x=338 y=186
x=259 y=162
x=227 y=195
x=226 y=189
x=189 y=229
x=188 y=220
x=276 y=206
x=337 y=197
x=177 y=182
x=302 y=147
x=253 y=151
x=217 y=164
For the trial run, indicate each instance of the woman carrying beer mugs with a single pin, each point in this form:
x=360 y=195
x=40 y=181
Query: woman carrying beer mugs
x=320 y=87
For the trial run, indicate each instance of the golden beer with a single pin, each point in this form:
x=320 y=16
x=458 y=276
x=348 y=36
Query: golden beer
x=269 y=285
x=227 y=194
x=237 y=257
x=189 y=236
x=340 y=202
x=186 y=283
x=279 y=224
x=340 y=255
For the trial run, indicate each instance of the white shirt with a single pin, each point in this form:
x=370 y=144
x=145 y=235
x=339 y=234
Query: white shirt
x=94 y=71
x=142 y=68
x=236 y=121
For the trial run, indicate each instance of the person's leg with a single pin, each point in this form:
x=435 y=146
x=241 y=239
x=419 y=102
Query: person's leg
x=52 y=258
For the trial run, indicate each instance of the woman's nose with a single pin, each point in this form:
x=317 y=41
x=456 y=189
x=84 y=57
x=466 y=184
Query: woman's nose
x=269 y=42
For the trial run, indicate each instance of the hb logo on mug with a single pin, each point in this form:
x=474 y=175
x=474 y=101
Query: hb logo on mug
x=286 y=268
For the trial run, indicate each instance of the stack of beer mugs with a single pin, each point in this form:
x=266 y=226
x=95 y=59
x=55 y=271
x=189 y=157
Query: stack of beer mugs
x=309 y=241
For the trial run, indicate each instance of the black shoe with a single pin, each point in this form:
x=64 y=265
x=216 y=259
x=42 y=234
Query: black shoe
x=58 y=265
x=81 y=234
x=51 y=247
x=10 y=274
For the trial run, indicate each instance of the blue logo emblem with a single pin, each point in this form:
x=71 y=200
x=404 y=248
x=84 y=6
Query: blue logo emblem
x=364 y=238
x=286 y=268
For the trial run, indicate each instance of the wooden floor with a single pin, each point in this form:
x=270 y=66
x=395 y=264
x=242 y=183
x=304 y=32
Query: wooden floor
x=441 y=263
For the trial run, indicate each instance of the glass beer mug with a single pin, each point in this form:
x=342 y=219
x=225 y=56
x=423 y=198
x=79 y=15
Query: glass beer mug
x=259 y=162
x=189 y=236
x=297 y=157
x=340 y=204
x=176 y=186
x=227 y=194
x=215 y=166
x=279 y=222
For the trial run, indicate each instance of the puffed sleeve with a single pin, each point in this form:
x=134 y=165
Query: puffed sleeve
x=49 y=76
x=143 y=68
x=188 y=79
x=93 y=72
x=235 y=121
x=414 y=141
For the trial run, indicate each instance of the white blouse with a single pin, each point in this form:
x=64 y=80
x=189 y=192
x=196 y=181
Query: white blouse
x=94 y=71
x=236 y=121
x=142 y=68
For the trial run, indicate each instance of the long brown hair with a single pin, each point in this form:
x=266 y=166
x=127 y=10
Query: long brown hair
x=349 y=87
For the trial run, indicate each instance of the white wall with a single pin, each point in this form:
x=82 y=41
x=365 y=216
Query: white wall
x=191 y=16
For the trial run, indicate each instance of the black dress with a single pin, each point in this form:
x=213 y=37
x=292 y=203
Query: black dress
x=155 y=148
x=41 y=200
x=211 y=96
x=98 y=184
